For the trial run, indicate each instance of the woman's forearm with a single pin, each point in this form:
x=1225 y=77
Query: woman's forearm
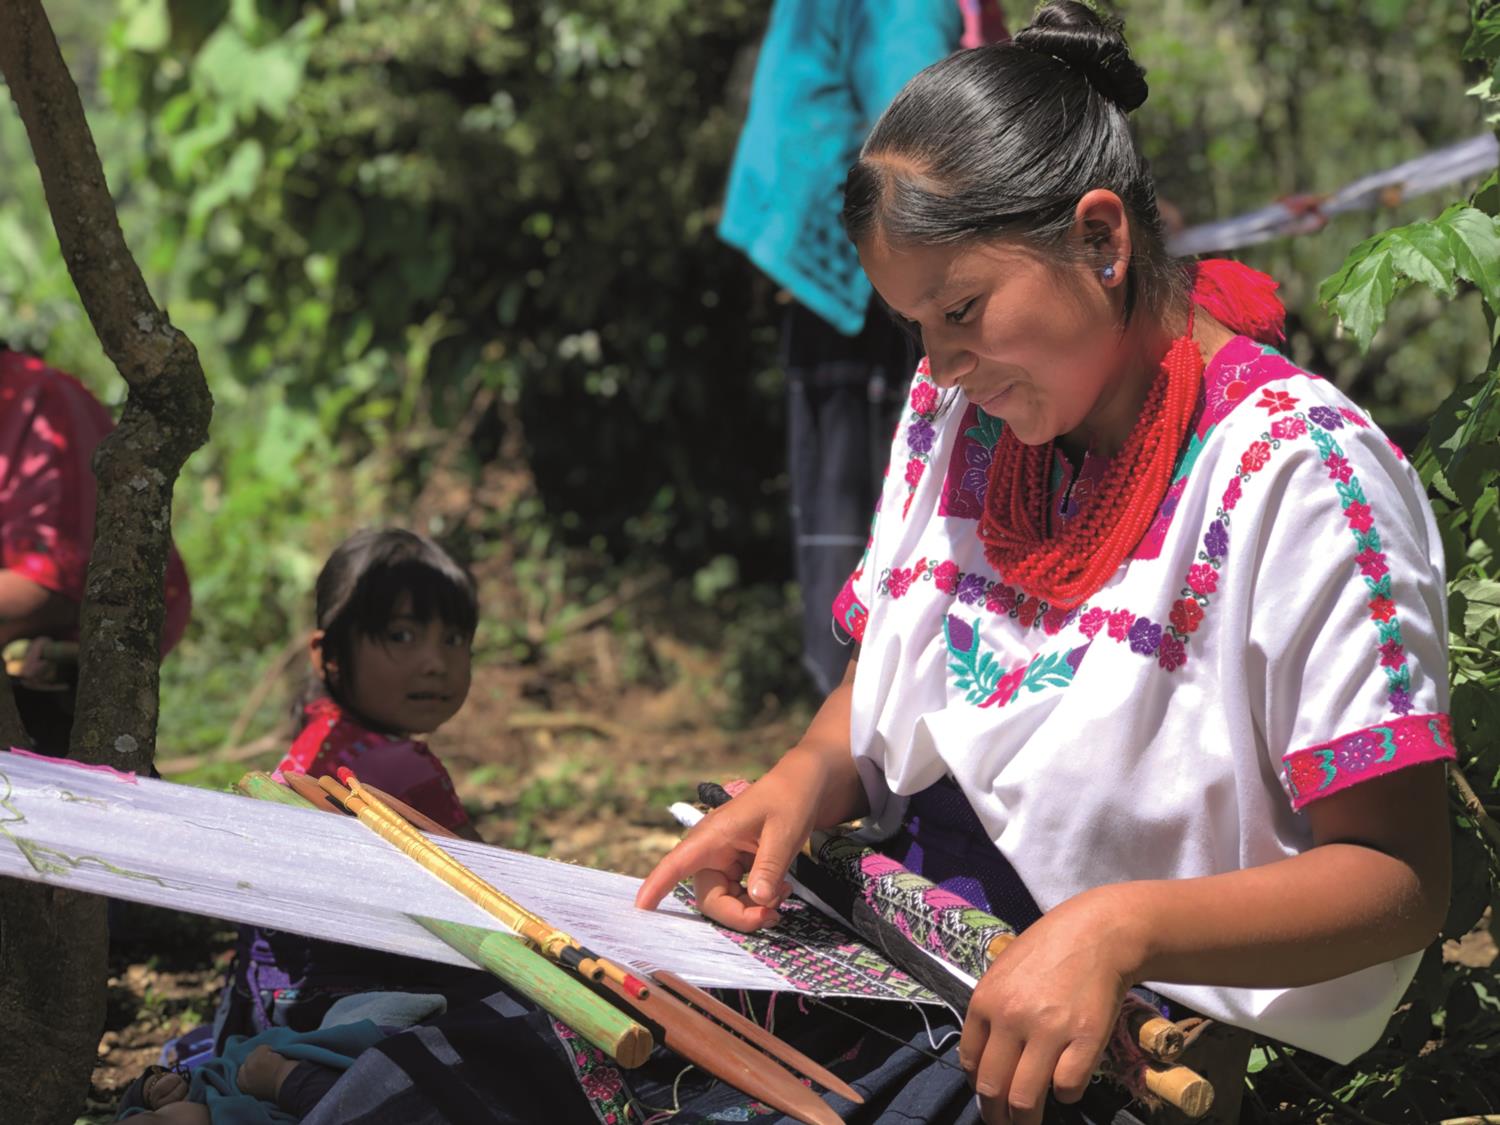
x=1319 y=915
x=824 y=758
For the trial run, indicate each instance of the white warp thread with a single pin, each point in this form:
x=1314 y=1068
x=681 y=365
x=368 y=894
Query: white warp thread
x=325 y=876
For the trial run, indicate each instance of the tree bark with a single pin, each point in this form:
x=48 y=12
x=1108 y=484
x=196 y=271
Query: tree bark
x=165 y=417
x=53 y=942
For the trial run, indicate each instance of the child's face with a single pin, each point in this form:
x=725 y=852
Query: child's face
x=413 y=676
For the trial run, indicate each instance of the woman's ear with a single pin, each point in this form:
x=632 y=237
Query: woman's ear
x=1101 y=229
x=321 y=667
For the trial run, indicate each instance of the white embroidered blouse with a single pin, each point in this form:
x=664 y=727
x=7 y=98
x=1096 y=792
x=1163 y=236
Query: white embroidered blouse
x=1279 y=635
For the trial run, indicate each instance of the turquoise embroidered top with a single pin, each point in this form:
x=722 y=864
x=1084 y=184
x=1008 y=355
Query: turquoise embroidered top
x=827 y=69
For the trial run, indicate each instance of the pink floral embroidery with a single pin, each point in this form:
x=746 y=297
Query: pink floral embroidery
x=914 y=472
x=1276 y=401
x=924 y=398
x=1338 y=468
x=1372 y=563
x=1410 y=740
x=1353 y=418
x=1203 y=578
x=1254 y=459
x=1359 y=517
x=945 y=576
x=1120 y=622
x=1092 y=621
x=1000 y=599
x=1232 y=494
x=1382 y=608
x=1284 y=429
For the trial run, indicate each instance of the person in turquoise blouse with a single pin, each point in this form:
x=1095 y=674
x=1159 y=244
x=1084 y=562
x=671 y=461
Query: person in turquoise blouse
x=827 y=69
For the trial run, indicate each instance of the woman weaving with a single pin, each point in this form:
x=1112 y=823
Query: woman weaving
x=1167 y=610
x=1152 y=641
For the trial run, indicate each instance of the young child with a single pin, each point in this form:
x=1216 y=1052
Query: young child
x=391 y=654
x=391 y=660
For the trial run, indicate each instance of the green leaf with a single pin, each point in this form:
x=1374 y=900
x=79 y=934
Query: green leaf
x=147 y=26
x=1481 y=599
x=1484 y=40
x=1366 y=291
x=1422 y=252
x=1475 y=240
x=1462 y=241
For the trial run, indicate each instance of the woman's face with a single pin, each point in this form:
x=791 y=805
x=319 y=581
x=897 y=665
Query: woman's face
x=1033 y=344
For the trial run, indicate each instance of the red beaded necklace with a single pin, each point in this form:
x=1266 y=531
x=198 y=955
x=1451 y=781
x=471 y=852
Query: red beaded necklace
x=1068 y=567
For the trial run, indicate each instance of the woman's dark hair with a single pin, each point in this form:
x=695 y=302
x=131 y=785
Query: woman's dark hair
x=366 y=575
x=1002 y=142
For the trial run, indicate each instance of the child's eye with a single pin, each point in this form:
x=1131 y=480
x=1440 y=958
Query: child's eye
x=456 y=640
x=399 y=636
x=957 y=315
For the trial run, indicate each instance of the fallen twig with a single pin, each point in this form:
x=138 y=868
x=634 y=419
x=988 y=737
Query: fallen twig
x=562 y=720
x=289 y=652
x=261 y=745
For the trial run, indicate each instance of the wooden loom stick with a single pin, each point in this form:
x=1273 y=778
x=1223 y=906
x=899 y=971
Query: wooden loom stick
x=555 y=943
x=749 y=1029
x=693 y=1036
x=510 y=959
x=309 y=790
x=548 y=987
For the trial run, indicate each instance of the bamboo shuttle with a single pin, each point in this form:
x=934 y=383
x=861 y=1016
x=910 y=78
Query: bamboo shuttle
x=549 y=987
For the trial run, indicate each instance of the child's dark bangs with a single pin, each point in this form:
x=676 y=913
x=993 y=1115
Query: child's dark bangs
x=435 y=591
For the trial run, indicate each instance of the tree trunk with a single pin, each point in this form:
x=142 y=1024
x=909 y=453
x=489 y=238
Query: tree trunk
x=53 y=942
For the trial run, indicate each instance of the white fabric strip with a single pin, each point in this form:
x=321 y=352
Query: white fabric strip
x=325 y=876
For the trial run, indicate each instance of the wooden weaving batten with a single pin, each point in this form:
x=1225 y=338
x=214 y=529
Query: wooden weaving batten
x=749 y=1029
x=508 y=958
x=683 y=1028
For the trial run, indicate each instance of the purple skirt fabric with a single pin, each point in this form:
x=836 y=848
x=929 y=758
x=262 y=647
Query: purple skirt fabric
x=943 y=841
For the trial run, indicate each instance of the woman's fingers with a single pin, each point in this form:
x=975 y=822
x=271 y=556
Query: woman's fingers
x=1027 y=1096
x=992 y=1077
x=780 y=840
x=709 y=846
x=1075 y=1069
x=722 y=898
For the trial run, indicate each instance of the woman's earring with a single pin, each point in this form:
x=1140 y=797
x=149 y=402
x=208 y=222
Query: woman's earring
x=1107 y=273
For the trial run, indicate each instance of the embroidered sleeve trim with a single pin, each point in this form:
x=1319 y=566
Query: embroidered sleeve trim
x=1409 y=740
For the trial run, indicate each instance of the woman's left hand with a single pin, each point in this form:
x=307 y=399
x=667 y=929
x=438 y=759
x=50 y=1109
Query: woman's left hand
x=1045 y=1009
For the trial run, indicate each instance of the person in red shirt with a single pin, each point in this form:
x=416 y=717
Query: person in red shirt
x=50 y=426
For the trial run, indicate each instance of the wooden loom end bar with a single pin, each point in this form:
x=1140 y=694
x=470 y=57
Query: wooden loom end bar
x=1184 y=1088
x=549 y=987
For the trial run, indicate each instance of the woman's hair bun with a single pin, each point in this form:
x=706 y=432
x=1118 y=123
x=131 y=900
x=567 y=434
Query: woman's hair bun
x=1092 y=44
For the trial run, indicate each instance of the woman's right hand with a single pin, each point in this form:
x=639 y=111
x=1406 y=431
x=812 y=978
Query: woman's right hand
x=758 y=832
